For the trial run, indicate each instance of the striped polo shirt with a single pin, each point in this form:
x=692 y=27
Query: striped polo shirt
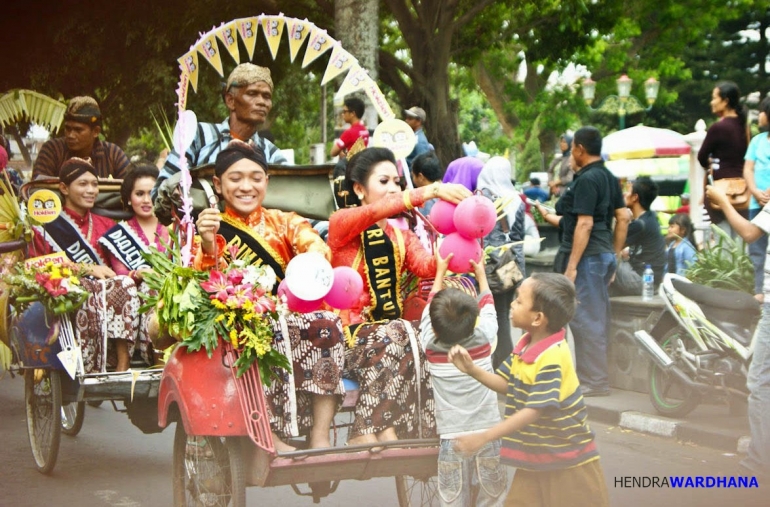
x=543 y=377
x=107 y=158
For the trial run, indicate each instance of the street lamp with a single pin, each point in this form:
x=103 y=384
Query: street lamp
x=623 y=102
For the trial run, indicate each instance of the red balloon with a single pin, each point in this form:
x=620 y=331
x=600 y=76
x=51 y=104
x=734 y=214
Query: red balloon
x=346 y=288
x=475 y=217
x=442 y=217
x=464 y=250
x=296 y=304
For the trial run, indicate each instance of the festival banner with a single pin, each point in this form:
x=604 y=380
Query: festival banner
x=298 y=32
x=207 y=46
x=228 y=34
x=354 y=81
x=248 y=28
x=339 y=62
x=272 y=26
x=189 y=66
x=319 y=43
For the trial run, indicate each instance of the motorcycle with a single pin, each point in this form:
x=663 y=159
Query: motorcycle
x=701 y=346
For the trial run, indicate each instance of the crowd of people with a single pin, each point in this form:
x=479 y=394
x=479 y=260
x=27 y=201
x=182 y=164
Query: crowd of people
x=438 y=375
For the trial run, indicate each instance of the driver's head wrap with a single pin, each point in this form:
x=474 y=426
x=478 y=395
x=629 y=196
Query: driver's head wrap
x=238 y=150
x=74 y=168
x=84 y=110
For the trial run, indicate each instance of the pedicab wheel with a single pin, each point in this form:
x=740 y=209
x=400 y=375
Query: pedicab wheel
x=43 y=404
x=208 y=471
x=417 y=492
x=669 y=395
x=95 y=404
x=72 y=415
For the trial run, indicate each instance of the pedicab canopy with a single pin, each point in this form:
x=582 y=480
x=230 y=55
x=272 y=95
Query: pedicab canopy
x=17 y=105
x=392 y=133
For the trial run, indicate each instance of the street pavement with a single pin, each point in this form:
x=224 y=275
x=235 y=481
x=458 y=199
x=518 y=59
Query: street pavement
x=111 y=463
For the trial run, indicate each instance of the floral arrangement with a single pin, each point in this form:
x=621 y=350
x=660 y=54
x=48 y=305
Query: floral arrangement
x=53 y=284
x=235 y=304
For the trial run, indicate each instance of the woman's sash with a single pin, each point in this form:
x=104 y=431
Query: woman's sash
x=63 y=235
x=381 y=263
x=126 y=245
x=252 y=247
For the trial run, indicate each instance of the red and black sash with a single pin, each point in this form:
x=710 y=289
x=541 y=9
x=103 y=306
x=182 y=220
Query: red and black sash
x=252 y=247
x=382 y=266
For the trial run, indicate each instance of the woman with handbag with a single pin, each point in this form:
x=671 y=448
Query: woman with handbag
x=383 y=354
x=495 y=183
x=723 y=150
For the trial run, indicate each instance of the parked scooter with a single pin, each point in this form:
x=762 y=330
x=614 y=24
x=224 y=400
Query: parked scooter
x=700 y=347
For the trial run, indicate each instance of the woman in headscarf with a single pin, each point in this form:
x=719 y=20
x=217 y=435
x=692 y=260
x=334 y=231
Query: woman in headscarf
x=560 y=172
x=464 y=171
x=495 y=183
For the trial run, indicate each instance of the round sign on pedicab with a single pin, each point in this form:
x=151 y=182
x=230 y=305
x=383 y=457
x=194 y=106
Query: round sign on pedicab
x=44 y=206
x=396 y=135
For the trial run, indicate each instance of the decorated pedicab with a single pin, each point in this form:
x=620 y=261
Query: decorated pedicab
x=213 y=384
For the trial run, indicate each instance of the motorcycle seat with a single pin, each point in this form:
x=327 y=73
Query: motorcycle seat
x=736 y=313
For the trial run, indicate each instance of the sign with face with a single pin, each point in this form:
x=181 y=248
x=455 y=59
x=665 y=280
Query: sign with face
x=44 y=206
x=395 y=135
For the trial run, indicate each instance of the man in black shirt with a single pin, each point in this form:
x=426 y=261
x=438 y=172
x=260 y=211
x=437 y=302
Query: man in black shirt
x=645 y=243
x=587 y=254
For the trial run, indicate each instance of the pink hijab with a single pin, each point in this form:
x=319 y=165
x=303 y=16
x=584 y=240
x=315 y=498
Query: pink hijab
x=3 y=158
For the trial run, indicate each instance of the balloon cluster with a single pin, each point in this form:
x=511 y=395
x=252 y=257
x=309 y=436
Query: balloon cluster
x=310 y=281
x=463 y=225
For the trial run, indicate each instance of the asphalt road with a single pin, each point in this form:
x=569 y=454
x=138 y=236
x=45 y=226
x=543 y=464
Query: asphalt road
x=111 y=463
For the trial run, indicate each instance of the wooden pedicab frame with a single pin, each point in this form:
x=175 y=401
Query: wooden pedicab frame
x=205 y=397
x=68 y=396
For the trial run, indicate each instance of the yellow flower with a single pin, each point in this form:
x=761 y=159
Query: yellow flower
x=218 y=304
x=234 y=337
x=219 y=318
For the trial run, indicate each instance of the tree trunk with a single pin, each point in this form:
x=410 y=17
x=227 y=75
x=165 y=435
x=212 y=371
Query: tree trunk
x=22 y=148
x=356 y=24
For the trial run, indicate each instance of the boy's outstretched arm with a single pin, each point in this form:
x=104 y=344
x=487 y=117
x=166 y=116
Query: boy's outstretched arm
x=481 y=274
x=747 y=230
x=463 y=362
x=442 y=266
x=469 y=444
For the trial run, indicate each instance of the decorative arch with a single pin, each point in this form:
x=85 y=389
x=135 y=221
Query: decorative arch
x=298 y=32
x=17 y=105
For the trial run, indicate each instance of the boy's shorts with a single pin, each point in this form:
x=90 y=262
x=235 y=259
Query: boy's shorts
x=580 y=486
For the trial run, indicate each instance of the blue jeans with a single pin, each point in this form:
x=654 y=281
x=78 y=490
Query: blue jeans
x=758 y=459
x=757 y=253
x=591 y=323
x=461 y=478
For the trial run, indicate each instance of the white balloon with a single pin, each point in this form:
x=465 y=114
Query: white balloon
x=309 y=276
x=184 y=132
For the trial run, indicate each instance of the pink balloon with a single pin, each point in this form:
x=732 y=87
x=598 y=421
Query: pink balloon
x=346 y=288
x=475 y=217
x=296 y=304
x=442 y=217
x=464 y=250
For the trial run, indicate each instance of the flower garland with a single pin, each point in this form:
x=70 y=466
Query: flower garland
x=54 y=284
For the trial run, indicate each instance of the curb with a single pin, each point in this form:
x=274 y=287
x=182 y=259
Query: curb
x=683 y=431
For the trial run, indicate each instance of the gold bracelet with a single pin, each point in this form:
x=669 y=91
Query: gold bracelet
x=408 y=200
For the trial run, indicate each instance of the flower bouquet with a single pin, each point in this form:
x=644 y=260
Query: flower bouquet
x=49 y=280
x=234 y=304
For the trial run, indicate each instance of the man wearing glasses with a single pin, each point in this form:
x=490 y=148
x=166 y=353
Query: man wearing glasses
x=352 y=112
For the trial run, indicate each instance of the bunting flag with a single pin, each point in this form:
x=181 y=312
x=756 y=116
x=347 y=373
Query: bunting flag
x=207 y=46
x=181 y=92
x=318 y=44
x=248 y=27
x=339 y=62
x=378 y=99
x=353 y=82
x=272 y=26
x=189 y=65
x=298 y=32
x=228 y=34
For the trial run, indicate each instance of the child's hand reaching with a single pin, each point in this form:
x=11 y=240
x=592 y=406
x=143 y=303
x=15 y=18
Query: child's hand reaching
x=442 y=266
x=479 y=269
x=460 y=358
x=469 y=444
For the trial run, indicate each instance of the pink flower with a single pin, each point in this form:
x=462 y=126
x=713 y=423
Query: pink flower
x=42 y=278
x=235 y=276
x=233 y=250
x=217 y=285
x=264 y=304
x=55 y=288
